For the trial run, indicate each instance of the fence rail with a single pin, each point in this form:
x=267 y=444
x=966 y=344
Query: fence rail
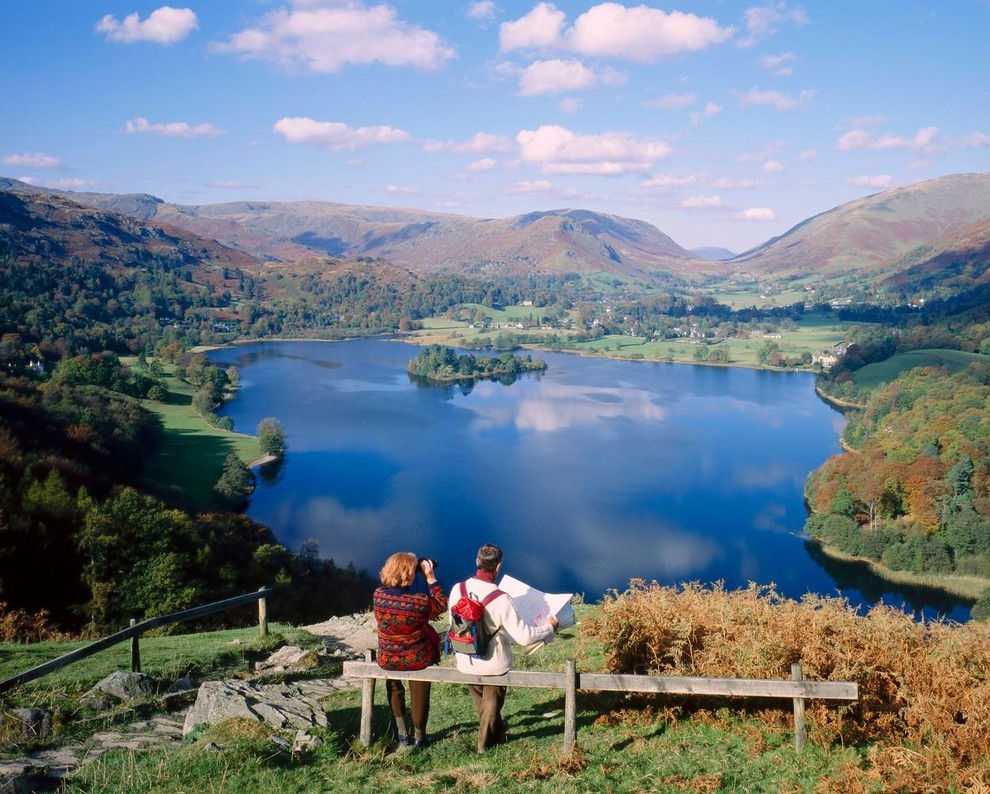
x=135 y=630
x=572 y=682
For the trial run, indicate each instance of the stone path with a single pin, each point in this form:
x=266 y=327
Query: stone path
x=345 y=637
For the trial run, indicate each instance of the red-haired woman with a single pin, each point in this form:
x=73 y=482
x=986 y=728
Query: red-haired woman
x=406 y=640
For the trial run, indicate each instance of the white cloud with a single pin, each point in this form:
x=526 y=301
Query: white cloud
x=878 y=181
x=762 y=21
x=325 y=39
x=335 y=134
x=611 y=30
x=756 y=214
x=702 y=203
x=642 y=34
x=479 y=143
x=570 y=105
x=925 y=140
x=164 y=25
x=710 y=109
x=558 y=150
x=537 y=186
x=484 y=164
x=868 y=121
x=673 y=101
x=775 y=99
x=976 y=140
x=807 y=156
x=482 y=10
x=773 y=167
x=727 y=183
x=779 y=64
x=671 y=180
x=559 y=76
x=32 y=160
x=76 y=184
x=402 y=191
x=540 y=28
x=174 y=129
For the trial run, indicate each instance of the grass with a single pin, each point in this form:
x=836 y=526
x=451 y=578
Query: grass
x=624 y=744
x=810 y=334
x=192 y=453
x=873 y=376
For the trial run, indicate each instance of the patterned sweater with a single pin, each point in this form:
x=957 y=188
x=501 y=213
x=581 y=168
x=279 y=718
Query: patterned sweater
x=406 y=640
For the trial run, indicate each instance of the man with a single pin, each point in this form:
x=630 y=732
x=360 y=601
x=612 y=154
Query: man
x=504 y=626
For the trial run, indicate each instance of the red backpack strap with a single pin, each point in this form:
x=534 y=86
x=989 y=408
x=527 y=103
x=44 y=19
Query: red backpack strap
x=463 y=591
x=491 y=597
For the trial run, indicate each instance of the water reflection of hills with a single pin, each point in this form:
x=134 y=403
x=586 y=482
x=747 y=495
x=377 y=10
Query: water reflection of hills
x=919 y=600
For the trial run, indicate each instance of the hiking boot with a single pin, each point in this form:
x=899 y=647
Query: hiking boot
x=422 y=743
x=404 y=743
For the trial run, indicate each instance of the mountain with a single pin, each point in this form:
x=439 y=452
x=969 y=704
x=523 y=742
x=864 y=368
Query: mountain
x=38 y=225
x=557 y=241
x=715 y=254
x=876 y=237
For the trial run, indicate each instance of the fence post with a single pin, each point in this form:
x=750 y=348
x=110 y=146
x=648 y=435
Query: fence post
x=263 y=615
x=135 y=651
x=367 y=702
x=570 y=706
x=800 y=732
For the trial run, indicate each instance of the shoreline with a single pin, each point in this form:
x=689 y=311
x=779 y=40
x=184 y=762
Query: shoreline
x=965 y=587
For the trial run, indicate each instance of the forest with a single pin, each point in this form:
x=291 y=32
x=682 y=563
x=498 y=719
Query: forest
x=912 y=493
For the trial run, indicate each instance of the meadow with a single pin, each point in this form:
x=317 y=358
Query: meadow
x=918 y=726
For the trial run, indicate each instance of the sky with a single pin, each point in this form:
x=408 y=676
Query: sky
x=722 y=123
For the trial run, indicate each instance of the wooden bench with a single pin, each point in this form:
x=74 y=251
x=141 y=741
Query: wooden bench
x=571 y=682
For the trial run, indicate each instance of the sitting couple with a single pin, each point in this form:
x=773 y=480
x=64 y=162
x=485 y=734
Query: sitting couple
x=407 y=641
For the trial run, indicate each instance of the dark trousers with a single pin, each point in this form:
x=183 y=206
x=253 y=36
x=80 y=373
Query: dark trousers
x=419 y=696
x=488 y=701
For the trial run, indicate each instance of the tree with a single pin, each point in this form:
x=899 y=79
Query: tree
x=236 y=483
x=271 y=437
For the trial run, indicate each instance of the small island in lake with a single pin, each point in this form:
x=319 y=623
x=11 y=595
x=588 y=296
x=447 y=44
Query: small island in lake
x=441 y=364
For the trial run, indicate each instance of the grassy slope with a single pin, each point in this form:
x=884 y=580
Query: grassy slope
x=624 y=745
x=192 y=452
x=873 y=376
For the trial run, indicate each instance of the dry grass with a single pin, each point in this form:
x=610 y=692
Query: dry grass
x=924 y=700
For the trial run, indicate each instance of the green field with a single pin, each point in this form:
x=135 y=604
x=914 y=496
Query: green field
x=622 y=745
x=192 y=451
x=873 y=376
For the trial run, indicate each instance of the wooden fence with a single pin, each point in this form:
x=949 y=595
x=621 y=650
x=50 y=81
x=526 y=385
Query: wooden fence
x=796 y=689
x=135 y=630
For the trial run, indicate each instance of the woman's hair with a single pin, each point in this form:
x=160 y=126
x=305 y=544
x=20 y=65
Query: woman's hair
x=399 y=569
x=489 y=557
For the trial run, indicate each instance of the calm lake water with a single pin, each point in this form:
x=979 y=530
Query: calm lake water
x=589 y=475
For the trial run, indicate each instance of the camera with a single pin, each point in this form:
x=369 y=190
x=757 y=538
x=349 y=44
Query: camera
x=434 y=563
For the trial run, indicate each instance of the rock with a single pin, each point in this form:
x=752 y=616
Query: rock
x=292 y=657
x=184 y=684
x=120 y=687
x=35 y=723
x=278 y=705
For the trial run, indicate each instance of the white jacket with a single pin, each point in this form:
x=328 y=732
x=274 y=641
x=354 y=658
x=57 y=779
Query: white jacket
x=504 y=626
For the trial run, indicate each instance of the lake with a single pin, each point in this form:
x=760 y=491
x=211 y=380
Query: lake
x=589 y=475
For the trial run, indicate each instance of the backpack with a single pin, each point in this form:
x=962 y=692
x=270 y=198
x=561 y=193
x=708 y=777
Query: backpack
x=467 y=632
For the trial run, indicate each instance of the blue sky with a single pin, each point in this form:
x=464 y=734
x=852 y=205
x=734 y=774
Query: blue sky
x=722 y=123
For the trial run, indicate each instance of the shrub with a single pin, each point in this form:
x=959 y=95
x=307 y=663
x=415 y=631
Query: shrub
x=922 y=685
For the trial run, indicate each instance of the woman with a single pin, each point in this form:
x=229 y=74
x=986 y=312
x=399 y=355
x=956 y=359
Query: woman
x=406 y=640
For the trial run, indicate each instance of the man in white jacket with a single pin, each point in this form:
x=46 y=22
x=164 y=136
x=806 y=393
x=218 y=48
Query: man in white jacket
x=504 y=626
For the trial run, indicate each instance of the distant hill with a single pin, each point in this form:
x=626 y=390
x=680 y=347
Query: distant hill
x=879 y=237
x=557 y=241
x=929 y=239
x=714 y=254
x=37 y=225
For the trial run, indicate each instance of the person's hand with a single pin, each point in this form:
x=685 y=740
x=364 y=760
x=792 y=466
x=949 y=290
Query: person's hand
x=552 y=620
x=426 y=566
